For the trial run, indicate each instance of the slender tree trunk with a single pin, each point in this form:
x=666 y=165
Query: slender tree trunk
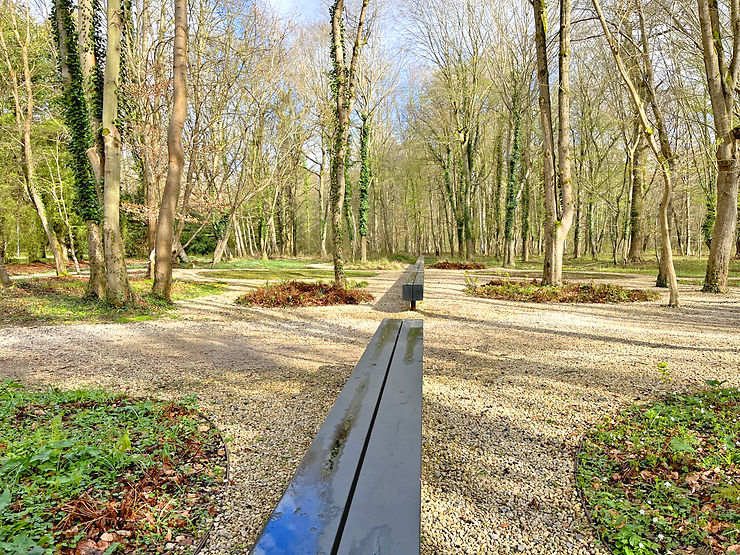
x=24 y=119
x=4 y=277
x=512 y=184
x=119 y=292
x=636 y=223
x=166 y=222
x=662 y=153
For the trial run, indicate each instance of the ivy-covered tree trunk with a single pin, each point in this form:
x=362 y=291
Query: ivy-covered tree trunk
x=636 y=208
x=512 y=185
x=76 y=115
x=162 y=285
x=343 y=92
x=119 y=292
x=364 y=183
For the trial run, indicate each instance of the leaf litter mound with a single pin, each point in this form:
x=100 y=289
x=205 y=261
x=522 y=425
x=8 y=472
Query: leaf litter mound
x=302 y=293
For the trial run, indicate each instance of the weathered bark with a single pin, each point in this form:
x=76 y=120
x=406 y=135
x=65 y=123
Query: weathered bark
x=165 y=224
x=721 y=81
x=96 y=285
x=548 y=153
x=559 y=219
x=119 y=292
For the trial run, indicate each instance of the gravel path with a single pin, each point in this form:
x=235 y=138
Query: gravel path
x=509 y=388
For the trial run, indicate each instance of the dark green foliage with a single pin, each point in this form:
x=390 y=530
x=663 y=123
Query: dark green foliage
x=347 y=207
x=75 y=110
x=365 y=173
x=707 y=226
x=664 y=478
x=97 y=44
x=514 y=163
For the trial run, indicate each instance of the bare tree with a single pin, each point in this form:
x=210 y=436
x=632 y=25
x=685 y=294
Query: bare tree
x=165 y=224
x=662 y=155
x=24 y=117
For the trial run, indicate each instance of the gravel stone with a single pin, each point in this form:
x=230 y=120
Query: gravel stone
x=509 y=390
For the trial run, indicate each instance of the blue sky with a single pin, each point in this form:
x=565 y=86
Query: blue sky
x=302 y=10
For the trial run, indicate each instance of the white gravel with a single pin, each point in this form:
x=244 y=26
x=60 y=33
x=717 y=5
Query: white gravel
x=509 y=389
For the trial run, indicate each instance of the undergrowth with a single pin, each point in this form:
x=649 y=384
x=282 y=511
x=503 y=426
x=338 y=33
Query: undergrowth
x=665 y=478
x=534 y=291
x=97 y=472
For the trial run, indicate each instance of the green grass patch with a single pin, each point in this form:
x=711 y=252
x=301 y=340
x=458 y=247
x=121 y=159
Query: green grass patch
x=58 y=300
x=258 y=263
x=534 y=291
x=94 y=471
x=665 y=478
x=283 y=274
x=301 y=293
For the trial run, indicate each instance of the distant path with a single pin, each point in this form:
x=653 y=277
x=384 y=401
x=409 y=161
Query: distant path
x=509 y=388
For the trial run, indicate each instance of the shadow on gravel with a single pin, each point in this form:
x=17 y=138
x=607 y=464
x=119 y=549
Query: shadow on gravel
x=392 y=302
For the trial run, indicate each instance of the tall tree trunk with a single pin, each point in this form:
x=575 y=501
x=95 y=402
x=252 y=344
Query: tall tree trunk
x=166 y=222
x=4 y=277
x=119 y=292
x=548 y=155
x=559 y=222
x=364 y=183
x=87 y=203
x=343 y=87
x=721 y=81
x=512 y=183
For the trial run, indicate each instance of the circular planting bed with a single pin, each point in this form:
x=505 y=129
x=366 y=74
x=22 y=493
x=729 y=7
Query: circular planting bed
x=303 y=293
x=665 y=478
x=534 y=291
x=92 y=473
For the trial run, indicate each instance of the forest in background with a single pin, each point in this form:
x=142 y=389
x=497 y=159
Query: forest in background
x=439 y=106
